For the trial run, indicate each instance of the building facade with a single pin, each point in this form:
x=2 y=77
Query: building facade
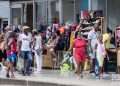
x=111 y=11
x=4 y=13
x=36 y=12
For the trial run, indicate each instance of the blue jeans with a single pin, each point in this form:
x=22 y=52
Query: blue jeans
x=27 y=56
x=96 y=67
x=95 y=64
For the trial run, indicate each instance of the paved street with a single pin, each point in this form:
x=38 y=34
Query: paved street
x=66 y=79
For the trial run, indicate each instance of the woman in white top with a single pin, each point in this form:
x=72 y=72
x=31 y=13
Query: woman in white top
x=38 y=50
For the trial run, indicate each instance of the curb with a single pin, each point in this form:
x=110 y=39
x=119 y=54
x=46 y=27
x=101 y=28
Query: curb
x=16 y=82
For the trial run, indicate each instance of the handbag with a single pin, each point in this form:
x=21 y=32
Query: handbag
x=20 y=63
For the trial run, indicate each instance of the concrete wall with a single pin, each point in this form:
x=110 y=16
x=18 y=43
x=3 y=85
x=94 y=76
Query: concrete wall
x=16 y=16
x=68 y=9
x=5 y=10
x=41 y=13
x=113 y=11
x=94 y=4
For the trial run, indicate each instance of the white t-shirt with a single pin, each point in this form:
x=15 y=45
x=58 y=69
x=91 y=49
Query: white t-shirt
x=38 y=42
x=92 y=35
x=26 y=40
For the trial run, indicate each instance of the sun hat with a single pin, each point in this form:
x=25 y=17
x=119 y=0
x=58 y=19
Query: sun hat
x=25 y=27
x=8 y=27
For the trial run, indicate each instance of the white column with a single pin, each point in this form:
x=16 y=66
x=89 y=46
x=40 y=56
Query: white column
x=25 y=13
x=49 y=12
x=22 y=14
x=89 y=5
x=61 y=11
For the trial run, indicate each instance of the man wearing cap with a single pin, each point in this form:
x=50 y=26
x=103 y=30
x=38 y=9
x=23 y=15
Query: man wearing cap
x=25 y=41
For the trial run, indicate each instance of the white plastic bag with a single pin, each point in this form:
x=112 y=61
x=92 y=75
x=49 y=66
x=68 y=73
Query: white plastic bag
x=20 y=63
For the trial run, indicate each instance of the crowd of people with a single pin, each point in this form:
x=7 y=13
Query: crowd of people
x=28 y=44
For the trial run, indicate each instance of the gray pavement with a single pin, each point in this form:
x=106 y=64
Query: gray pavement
x=55 y=78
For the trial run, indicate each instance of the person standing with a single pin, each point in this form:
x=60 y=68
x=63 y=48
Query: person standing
x=100 y=55
x=25 y=42
x=37 y=46
x=107 y=42
x=11 y=54
x=92 y=41
x=79 y=46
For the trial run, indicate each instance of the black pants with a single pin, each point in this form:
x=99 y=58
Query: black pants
x=105 y=65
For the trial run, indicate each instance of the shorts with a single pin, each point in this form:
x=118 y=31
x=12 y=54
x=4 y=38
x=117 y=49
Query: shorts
x=11 y=58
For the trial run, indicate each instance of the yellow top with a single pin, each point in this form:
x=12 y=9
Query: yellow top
x=106 y=40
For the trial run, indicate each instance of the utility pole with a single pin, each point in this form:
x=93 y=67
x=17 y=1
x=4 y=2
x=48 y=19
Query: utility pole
x=89 y=5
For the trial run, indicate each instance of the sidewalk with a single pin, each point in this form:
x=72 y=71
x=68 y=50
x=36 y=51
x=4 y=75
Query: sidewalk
x=54 y=78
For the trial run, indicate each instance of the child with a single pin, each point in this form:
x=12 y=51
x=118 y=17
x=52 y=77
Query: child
x=11 y=56
x=100 y=55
